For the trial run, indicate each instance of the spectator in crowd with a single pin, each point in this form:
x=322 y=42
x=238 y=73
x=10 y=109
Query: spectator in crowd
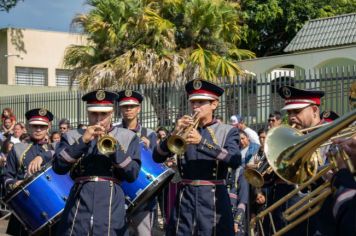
x=17 y=132
x=23 y=126
x=259 y=202
x=161 y=134
x=55 y=137
x=248 y=150
x=64 y=126
x=7 y=113
x=238 y=122
x=82 y=126
x=262 y=137
x=219 y=119
x=7 y=146
x=24 y=138
x=274 y=119
x=7 y=128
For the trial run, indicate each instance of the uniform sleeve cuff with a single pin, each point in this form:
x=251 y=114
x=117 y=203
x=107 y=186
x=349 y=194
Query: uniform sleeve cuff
x=124 y=163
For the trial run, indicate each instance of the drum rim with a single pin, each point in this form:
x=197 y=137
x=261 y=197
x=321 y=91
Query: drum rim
x=166 y=175
x=13 y=193
x=54 y=220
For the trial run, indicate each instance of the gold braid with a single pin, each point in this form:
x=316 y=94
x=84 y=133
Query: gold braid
x=215 y=141
x=22 y=157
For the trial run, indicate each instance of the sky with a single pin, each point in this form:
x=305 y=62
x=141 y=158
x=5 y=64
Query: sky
x=53 y=15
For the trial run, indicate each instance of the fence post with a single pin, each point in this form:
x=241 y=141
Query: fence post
x=79 y=110
x=27 y=102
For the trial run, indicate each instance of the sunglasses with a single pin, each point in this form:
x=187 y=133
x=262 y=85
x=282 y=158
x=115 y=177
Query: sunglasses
x=271 y=120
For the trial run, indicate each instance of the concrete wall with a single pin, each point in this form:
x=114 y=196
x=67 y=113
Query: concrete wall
x=308 y=60
x=13 y=90
x=3 y=59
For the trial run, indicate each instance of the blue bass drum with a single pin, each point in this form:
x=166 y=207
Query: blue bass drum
x=40 y=199
x=151 y=179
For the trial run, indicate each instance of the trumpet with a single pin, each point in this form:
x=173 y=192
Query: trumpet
x=256 y=177
x=177 y=143
x=107 y=144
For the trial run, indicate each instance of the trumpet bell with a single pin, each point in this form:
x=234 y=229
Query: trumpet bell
x=254 y=177
x=176 y=144
x=107 y=145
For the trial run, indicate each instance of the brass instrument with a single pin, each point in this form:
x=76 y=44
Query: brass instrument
x=107 y=145
x=291 y=156
x=256 y=177
x=176 y=143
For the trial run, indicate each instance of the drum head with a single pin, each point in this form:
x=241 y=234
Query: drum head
x=25 y=182
x=151 y=191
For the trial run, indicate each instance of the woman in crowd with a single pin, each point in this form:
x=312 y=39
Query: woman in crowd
x=7 y=113
x=248 y=150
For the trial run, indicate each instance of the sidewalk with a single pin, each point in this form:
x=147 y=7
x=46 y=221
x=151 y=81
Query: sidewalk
x=3 y=226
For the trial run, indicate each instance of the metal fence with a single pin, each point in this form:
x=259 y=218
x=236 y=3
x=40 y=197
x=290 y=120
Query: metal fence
x=252 y=96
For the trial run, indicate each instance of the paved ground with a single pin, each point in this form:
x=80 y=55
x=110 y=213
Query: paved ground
x=3 y=225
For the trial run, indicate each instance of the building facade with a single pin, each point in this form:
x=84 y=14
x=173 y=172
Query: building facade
x=35 y=57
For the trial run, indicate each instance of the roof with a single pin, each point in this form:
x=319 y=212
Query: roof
x=325 y=32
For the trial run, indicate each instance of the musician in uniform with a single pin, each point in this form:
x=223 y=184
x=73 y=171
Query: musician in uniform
x=96 y=204
x=212 y=147
x=341 y=207
x=303 y=111
x=141 y=222
x=338 y=211
x=328 y=116
x=27 y=158
x=239 y=198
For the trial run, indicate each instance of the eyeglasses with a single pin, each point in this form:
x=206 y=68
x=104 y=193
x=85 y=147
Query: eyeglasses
x=271 y=120
x=63 y=127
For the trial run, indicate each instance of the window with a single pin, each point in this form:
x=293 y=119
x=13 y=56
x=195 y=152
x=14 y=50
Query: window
x=63 y=78
x=31 y=76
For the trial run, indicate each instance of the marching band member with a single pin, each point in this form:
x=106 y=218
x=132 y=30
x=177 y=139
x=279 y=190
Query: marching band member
x=96 y=204
x=27 y=158
x=201 y=205
x=141 y=222
x=328 y=116
x=239 y=198
x=343 y=203
x=344 y=200
x=303 y=111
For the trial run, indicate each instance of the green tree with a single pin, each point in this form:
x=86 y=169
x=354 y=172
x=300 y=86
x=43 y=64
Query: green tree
x=271 y=24
x=153 y=41
x=6 y=5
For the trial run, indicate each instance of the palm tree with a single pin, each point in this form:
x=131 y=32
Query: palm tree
x=155 y=41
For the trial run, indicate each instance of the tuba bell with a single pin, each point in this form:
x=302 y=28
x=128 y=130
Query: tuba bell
x=291 y=156
x=176 y=143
